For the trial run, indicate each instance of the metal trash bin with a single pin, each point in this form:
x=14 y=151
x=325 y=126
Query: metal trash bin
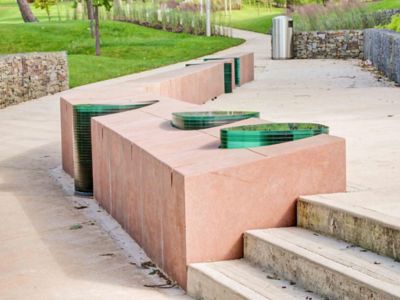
x=282 y=37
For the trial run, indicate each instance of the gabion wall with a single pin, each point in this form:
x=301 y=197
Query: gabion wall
x=340 y=44
x=31 y=75
x=382 y=48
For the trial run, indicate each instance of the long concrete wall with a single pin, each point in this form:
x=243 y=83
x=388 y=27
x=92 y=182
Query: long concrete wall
x=196 y=85
x=180 y=196
x=185 y=200
x=382 y=48
x=27 y=76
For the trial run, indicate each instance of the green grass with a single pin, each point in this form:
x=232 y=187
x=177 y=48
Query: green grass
x=383 y=5
x=394 y=24
x=254 y=19
x=126 y=48
x=9 y=12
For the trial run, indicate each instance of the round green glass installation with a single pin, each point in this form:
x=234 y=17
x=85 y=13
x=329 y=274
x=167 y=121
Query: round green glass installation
x=207 y=119
x=82 y=114
x=268 y=134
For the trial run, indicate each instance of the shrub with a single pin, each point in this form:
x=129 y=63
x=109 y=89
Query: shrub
x=346 y=14
x=394 y=24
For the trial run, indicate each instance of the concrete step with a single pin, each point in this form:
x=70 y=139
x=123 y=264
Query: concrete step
x=238 y=280
x=362 y=219
x=329 y=267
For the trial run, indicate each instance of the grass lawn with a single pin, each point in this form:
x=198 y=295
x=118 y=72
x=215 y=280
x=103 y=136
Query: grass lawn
x=384 y=4
x=9 y=12
x=260 y=19
x=126 y=48
x=254 y=19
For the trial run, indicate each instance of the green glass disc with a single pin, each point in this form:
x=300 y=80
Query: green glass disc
x=207 y=119
x=268 y=134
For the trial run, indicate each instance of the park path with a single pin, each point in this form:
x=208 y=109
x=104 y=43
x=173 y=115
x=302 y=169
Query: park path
x=42 y=258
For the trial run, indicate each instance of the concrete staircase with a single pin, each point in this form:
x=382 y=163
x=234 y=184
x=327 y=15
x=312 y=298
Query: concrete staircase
x=322 y=258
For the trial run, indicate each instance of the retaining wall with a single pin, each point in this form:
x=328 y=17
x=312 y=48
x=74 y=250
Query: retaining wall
x=342 y=44
x=29 y=76
x=382 y=48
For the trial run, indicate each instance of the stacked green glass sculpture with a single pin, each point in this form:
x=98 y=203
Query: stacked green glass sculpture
x=207 y=119
x=83 y=140
x=227 y=75
x=268 y=134
x=236 y=65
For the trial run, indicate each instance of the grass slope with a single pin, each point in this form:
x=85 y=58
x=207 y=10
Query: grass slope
x=254 y=19
x=383 y=5
x=260 y=19
x=126 y=48
x=9 y=12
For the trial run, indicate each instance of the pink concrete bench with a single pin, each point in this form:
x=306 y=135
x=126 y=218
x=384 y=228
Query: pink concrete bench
x=230 y=61
x=193 y=85
x=184 y=200
x=175 y=192
x=246 y=65
x=197 y=85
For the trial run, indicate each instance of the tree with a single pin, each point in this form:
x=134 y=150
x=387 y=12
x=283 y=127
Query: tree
x=89 y=5
x=26 y=11
x=96 y=4
x=45 y=4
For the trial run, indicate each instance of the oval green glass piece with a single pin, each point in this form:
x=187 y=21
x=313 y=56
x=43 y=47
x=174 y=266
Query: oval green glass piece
x=82 y=149
x=207 y=119
x=248 y=136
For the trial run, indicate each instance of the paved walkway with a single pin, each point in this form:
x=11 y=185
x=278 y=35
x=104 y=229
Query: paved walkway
x=352 y=102
x=43 y=258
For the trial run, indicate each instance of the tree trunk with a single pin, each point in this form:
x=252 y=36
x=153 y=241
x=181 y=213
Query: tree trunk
x=96 y=30
x=26 y=11
x=89 y=4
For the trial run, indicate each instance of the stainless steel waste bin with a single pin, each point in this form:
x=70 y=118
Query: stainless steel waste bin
x=282 y=37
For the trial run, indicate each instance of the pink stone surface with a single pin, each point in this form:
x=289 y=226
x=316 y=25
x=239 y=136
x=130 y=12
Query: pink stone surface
x=180 y=196
x=246 y=66
x=186 y=197
x=97 y=96
x=195 y=85
x=264 y=191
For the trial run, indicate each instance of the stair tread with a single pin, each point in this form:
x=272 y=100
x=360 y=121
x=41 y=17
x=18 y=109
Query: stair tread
x=253 y=282
x=381 y=272
x=366 y=204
